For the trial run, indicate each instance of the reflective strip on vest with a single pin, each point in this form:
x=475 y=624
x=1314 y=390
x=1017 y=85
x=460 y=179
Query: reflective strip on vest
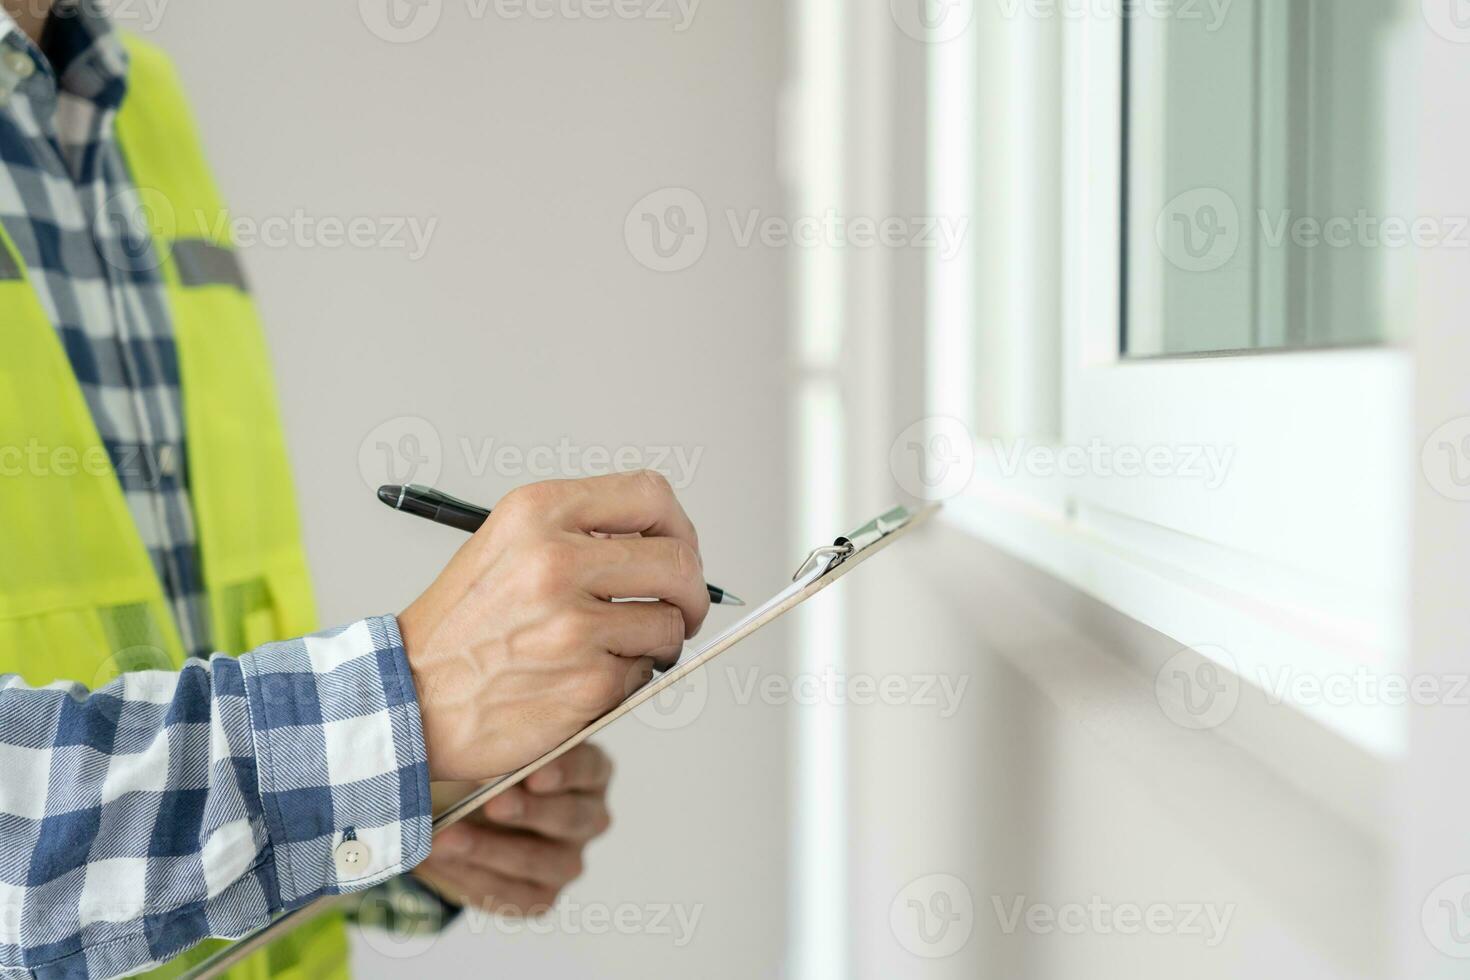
x=203 y=263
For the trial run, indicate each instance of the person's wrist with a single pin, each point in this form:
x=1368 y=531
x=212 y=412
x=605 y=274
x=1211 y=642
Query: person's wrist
x=410 y=630
x=414 y=631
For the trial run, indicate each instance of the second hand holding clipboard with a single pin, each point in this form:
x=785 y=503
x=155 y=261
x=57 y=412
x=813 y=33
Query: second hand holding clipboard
x=822 y=567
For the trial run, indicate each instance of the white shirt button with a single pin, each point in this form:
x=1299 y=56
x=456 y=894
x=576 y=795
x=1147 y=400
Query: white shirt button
x=20 y=65
x=352 y=858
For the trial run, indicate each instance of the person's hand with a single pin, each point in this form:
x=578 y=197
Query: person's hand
x=516 y=645
x=527 y=843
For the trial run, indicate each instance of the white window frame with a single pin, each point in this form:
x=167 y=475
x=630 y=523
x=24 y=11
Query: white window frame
x=1296 y=566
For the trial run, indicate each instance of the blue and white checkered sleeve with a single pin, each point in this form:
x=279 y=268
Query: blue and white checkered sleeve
x=166 y=807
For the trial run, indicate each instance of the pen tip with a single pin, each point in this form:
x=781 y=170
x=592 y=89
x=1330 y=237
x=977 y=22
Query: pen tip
x=390 y=495
x=729 y=599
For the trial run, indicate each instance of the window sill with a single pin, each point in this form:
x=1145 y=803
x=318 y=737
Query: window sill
x=1100 y=667
x=1300 y=644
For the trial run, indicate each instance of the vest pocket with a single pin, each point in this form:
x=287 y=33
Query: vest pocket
x=90 y=645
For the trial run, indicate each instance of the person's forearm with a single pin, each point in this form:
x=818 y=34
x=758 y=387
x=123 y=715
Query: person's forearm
x=235 y=787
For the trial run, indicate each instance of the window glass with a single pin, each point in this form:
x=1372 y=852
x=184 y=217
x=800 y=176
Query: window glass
x=1259 y=154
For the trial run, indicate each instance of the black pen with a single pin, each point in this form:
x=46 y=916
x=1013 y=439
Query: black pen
x=441 y=508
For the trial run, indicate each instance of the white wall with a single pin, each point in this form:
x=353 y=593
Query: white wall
x=528 y=321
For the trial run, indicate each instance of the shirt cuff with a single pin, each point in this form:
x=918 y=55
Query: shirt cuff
x=339 y=747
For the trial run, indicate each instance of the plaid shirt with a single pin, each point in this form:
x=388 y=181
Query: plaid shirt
x=138 y=819
x=168 y=807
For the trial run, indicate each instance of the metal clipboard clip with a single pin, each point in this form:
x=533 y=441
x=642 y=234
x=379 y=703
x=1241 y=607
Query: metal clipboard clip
x=822 y=560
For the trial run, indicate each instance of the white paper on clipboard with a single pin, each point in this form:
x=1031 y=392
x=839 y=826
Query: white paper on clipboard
x=824 y=566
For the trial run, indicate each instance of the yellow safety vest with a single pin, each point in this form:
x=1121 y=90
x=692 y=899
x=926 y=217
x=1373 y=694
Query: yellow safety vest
x=79 y=597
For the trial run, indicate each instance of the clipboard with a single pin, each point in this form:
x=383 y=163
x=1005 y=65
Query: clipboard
x=822 y=567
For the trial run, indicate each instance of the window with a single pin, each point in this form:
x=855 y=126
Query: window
x=1254 y=506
